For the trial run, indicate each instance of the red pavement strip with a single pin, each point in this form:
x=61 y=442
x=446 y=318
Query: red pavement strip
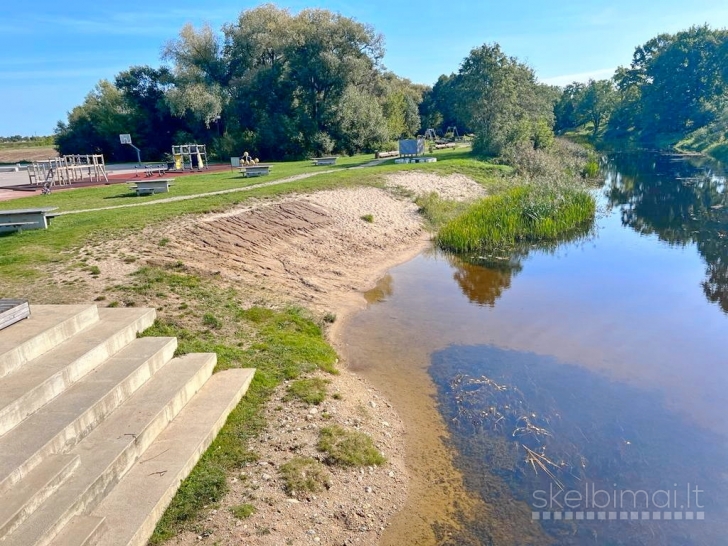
x=6 y=194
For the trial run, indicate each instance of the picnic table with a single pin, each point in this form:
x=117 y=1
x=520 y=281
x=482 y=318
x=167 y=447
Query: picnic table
x=255 y=170
x=150 y=187
x=20 y=219
x=319 y=161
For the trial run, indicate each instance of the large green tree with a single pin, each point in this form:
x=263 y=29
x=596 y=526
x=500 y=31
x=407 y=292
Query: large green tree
x=499 y=98
x=149 y=117
x=94 y=126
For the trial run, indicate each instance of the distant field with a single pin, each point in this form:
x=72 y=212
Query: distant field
x=16 y=155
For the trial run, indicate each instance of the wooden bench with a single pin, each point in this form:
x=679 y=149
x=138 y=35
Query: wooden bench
x=445 y=146
x=255 y=170
x=382 y=155
x=320 y=161
x=150 y=187
x=19 y=219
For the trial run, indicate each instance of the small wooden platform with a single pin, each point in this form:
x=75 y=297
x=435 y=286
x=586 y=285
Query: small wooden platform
x=319 y=161
x=12 y=311
x=255 y=170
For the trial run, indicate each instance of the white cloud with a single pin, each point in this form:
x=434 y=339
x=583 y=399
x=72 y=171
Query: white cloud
x=583 y=77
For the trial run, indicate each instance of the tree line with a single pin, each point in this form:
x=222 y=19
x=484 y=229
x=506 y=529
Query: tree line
x=674 y=93
x=285 y=85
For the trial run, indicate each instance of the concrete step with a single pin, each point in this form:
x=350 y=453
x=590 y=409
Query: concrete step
x=63 y=422
x=135 y=505
x=38 y=485
x=45 y=377
x=80 y=531
x=114 y=445
x=47 y=326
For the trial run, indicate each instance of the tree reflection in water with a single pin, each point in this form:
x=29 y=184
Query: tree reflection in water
x=681 y=200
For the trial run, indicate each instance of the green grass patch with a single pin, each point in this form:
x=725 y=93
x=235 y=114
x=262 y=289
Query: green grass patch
x=242 y=511
x=303 y=475
x=348 y=447
x=528 y=214
x=311 y=391
x=280 y=344
x=368 y=218
x=437 y=211
x=211 y=321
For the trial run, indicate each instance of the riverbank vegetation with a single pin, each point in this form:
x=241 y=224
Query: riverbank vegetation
x=527 y=214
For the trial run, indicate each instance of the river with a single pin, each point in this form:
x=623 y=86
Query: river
x=580 y=389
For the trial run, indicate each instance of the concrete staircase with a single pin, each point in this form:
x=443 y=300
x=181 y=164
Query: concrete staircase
x=98 y=427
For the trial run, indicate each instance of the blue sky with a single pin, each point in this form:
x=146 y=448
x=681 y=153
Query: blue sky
x=53 y=53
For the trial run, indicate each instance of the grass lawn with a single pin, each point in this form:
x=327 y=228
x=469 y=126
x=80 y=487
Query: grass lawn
x=22 y=255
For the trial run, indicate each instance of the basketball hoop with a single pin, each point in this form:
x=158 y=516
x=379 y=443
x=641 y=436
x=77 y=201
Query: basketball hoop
x=126 y=139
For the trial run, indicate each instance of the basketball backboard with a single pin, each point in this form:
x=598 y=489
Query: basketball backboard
x=125 y=139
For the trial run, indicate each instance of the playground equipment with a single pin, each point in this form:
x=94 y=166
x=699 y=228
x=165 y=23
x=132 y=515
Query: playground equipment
x=68 y=169
x=430 y=134
x=190 y=156
x=454 y=131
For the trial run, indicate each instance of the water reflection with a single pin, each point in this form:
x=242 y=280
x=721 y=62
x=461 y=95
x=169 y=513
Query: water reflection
x=383 y=289
x=683 y=201
x=485 y=284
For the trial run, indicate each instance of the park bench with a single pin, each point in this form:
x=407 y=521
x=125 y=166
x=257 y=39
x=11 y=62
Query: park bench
x=445 y=146
x=383 y=155
x=319 y=161
x=150 y=187
x=20 y=219
x=255 y=170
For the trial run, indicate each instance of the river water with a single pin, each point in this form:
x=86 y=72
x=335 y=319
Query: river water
x=584 y=387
